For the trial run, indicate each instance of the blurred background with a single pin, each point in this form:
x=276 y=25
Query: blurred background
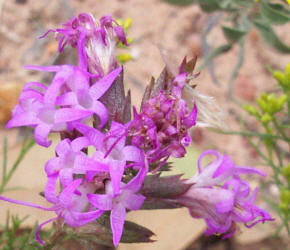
x=155 y=24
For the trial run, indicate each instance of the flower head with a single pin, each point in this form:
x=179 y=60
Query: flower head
x=162 y=127
x=221 y=197
x=96 y=41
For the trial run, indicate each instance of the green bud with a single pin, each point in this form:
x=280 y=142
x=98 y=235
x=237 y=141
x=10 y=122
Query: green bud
x=251 y=110
x=127 y=23
x=286 y=172
x=280 y=77
x=266 y=118
x=130 y=40
x=285 y=195
x=122 y=58
x=262 y=103
x=287 y=73
x=284 y=208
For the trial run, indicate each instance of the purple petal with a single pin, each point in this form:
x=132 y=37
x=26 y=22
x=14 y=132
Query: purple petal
x=81 y=219
x=225 y=166
x=53 y=166
x=24 y=119
x=50 y=189
x=70 y=114
x=79 y=143
x=43 y=68
x=101 y=201
x=116 y=173
x=101 y=86
x=41 y=133
x=117 y=218
x=24 y=203
x=69 y=98
x=39 y=227
x=190 y=120
x=65 y=196
x=136 y=183
x=93 y=135
x=63 y=147
x=102 y=112
x=133 y=201
x=66 y=176
x=133 y=153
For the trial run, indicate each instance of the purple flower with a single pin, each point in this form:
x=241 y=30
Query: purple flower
x=219 y=196
x=96 y=42
x=117 y=203
x=162 y=127
x=68 y=205
x=67 y=99
x=111 y=150
x=34 y=112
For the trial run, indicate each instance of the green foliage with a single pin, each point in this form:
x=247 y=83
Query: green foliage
x=7 y=174
x=180 y=2
x=273 y=112
x=14 y=236
x=243 y=15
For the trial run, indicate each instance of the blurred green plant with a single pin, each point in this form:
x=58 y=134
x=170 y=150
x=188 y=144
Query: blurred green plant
x=12 y=234
x=7 y=174
x=242 y=15
x=273 y=114
x=125 y=56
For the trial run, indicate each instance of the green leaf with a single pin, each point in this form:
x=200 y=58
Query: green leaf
x=243 y=3
x=214 y=53
x=271 y=37
x=180 y=2
x=209 y=5
x=233 y=34
x=275 y=13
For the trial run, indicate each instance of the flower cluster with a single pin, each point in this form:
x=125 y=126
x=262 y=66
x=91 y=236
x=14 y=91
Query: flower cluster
x=221 y=197
x=113 y=177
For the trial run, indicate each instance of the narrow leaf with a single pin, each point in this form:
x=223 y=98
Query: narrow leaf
x=214 y=53
x=180 y=2
x=233 y=34
x=275 y=13
x=271 y=38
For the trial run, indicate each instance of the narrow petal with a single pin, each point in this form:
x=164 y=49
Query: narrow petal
x=50 y=189
x=101 y=201
x=80 y=143
x=133 y=153
x=69 y=98
x=116 y=173
x=117 y=218
x=136 y=183
x=66 y=176
x=70 y=114
x=24 y=119
x=39 y=227
x=54 y=68
x=53 y=166
x=100 y=109
x=63 y=147
x=101 y=86
x=41 y=133
x=65 y=196
x=134 y=201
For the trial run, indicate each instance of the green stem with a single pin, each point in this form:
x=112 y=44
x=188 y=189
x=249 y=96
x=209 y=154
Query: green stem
x=250 y=134
x=4 y=168
x=21 y=155
x=236 y=71
x=280 y=130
